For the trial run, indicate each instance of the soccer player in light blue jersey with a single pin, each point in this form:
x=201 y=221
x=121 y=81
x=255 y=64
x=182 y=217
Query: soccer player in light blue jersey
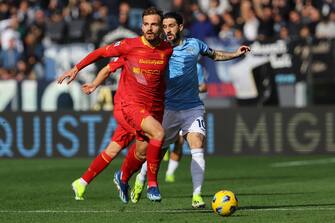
x=175 y=155
x=183 y=108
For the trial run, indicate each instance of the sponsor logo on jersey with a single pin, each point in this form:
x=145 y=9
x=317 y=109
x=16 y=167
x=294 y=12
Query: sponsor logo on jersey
x=148 y=61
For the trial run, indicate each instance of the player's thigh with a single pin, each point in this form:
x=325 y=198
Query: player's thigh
x=194 y=127
x=130 y=117
x=171 y=125
x=193 y=121
x=122 y=137
x=121 y=117
x=152 y=127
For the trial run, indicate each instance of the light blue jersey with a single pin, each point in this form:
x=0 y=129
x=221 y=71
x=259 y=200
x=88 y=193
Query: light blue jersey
x=201 y=77
x=182 y=80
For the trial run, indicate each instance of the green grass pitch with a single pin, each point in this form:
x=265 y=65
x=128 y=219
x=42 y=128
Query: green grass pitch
x=269 y=189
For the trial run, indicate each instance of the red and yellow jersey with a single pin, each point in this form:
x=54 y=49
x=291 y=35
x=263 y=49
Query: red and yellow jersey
x=143 y=75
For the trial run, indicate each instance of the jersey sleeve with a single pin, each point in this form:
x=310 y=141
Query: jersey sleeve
x=113 y=50
x=117 y=63
x=204 y=49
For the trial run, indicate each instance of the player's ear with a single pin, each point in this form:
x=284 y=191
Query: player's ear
x=181 y=27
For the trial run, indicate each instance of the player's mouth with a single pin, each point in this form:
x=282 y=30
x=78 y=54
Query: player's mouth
x=170 y=36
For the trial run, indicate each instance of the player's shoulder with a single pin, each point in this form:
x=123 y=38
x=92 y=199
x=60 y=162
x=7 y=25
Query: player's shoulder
x=193 y=41
x=126 y=42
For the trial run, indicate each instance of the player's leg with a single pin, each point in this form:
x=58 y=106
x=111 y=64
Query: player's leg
x=197 y=167
x=155 y=131
x=132 y=163
x=120 y=139
x=148 y=126
x=194 y=126
x=138 y=187
x=171 y=128
x=175 y=157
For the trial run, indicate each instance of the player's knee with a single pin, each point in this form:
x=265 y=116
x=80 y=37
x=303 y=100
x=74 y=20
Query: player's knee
x=195 y=140
x=141 y=155
x=110 y=153
x=158 y=134
x=112 y=150
x=196 y=143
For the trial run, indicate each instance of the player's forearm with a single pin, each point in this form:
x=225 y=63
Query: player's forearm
x=202 y=88
x=102 y=76
x=221 y=55
x=91 y=58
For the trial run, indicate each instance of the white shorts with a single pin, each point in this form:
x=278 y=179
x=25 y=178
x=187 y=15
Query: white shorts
x=190 y=120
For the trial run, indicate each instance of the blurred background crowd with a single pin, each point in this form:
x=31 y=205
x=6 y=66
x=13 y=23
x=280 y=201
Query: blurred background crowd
x=30 y=27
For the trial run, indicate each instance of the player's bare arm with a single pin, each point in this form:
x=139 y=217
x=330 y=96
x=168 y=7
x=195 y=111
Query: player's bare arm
x=202 y=88
x=221 y=55
x=103 y=74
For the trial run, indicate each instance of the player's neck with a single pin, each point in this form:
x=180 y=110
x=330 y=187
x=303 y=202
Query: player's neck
x=151 y=43
x=154 y=42
x=177 y=42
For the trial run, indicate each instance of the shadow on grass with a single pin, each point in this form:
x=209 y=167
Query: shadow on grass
x=246 y=194
x=285 y=206
x=189 y=210
x=213 y=179
x=275 y=193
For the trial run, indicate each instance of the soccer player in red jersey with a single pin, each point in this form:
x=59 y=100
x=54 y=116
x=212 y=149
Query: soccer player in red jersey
x=141 y=95
x=121 y=137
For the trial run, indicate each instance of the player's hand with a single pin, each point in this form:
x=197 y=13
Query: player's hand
x=242 y=50
x=88 y=88
x=71 y=75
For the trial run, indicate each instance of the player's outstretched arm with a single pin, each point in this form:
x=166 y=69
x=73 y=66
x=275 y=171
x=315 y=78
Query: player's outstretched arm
x=100 y=78
x=90 y=58
x=221 y=55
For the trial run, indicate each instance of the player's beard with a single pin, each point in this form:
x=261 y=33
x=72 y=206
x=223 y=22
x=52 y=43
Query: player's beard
x=175 y=40
x=152 y=38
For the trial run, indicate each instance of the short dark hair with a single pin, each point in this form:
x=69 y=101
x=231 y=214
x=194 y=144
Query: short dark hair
x=174 y=15
x=152 y=11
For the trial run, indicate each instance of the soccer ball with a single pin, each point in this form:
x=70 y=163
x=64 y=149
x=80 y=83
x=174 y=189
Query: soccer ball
x=224 y=203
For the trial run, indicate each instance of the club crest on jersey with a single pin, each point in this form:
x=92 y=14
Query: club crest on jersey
x=190 y=50
x=117 y=43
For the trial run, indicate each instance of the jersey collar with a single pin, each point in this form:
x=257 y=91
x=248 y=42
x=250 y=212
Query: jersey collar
x=146 y=43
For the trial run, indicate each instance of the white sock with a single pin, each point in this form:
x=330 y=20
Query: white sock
x=197 y=169
x=83 y=182
x=143 y=173
x=173 y=165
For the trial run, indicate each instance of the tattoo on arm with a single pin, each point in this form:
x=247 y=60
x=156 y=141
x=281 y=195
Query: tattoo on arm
x=221 y=55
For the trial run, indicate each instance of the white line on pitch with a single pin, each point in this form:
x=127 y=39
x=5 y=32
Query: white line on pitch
x=168 y=211
x=303 y=162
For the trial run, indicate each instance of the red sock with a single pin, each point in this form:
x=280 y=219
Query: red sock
x=153 y=160
x=130 y=164
x=97 y=166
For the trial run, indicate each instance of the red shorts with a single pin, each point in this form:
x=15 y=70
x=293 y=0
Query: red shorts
x=122 y=137
x=130 y=117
